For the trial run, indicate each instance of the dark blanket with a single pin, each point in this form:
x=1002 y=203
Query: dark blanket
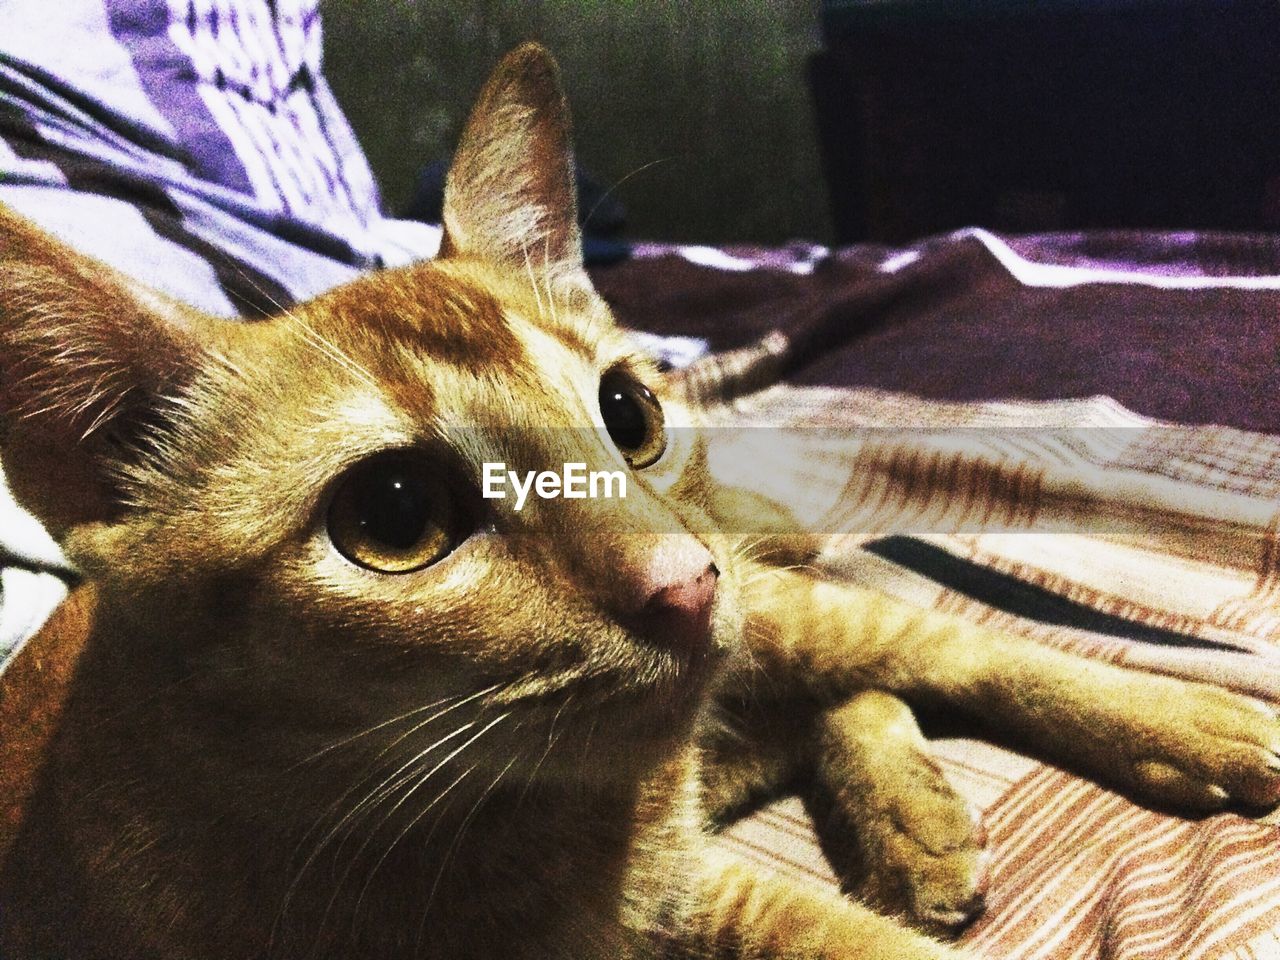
x=1193 y=336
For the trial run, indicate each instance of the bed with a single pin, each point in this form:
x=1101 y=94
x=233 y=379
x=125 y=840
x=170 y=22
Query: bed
x=1070 y=436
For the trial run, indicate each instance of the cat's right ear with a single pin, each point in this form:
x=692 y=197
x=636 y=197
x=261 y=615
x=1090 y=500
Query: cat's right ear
x=510 y=198
x=86 y=363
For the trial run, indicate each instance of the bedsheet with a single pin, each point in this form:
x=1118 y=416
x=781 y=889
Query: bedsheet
x=1068 y=437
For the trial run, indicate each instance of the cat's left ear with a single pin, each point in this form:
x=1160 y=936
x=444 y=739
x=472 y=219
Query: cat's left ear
x=88 y=361
x=510 y=197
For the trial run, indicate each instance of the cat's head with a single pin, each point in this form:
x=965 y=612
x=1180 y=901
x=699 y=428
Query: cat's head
x=286 y=518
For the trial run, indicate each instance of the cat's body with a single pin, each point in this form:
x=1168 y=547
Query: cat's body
x=320 y=699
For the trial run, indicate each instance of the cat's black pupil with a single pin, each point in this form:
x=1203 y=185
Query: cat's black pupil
x=396 y=508
x=623 y=415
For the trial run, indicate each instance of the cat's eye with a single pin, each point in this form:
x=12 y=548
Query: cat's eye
x=392 y=514
x=633 y=418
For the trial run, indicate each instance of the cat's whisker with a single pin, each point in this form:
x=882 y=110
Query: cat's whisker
x=388 y=786
x=466 y=822
x=331 y=350
x=533 y=282
x=396 y=742
x=388 y=748
x=752 y=552
x=552 y=739
x=753 y=634
x=244 y=275
x=253 y=308
x=322 y=344
x=540 y=685
x=226 y=363
x=551 y=303
x=352 y=816
x=383 y=790
x=423 y=779
x=546 y=279
x=376 y=727
x=533 y=774
x=400 y=777
x=400 y=836
x=457 y=842
x=748 y=550
x=636 y=172
x=440 y=765
x=586 y=741
x=556 y=719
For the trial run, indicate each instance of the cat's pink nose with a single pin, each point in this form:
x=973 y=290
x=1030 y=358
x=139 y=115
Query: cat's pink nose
x=672 y=597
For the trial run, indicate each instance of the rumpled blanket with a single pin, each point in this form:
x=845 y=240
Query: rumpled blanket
x=1075 y=521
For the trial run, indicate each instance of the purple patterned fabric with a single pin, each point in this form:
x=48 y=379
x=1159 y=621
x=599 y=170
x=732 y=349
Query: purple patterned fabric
x=238 y=183
x=172 y=84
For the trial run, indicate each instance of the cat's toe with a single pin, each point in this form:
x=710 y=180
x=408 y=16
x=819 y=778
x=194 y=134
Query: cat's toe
x=1247 y=756
x=927 y=861
x=1213 y=749
x=1178 y=788
x=944 y=892
x=953 y=916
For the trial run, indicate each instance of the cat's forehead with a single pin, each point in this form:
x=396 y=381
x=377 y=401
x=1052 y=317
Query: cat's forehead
x=452 y=341
x=467 y=317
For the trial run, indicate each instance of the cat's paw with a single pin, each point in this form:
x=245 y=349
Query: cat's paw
x=1197 y=747
x=898 y=834
x=925 y=857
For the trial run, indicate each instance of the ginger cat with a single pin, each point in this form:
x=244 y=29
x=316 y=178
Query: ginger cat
x=319 y=698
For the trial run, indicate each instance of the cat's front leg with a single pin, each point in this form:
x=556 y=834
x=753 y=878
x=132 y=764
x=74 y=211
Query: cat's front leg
x=1174 y=742
x=743 y=912
x=895 y=830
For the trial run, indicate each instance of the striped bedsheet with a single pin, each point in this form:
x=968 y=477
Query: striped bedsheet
x=1078 y=871
x=1077 y=523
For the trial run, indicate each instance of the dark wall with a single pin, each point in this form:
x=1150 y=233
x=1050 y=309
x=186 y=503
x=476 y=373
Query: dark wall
x=1029 y=115
x=697 y=109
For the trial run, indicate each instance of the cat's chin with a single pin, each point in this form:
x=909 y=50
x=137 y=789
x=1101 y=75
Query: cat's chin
x=609 y=731
x=654 y=718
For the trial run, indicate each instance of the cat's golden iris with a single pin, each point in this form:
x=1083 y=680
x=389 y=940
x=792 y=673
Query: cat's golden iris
x=392 y=515
x=633 y=417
